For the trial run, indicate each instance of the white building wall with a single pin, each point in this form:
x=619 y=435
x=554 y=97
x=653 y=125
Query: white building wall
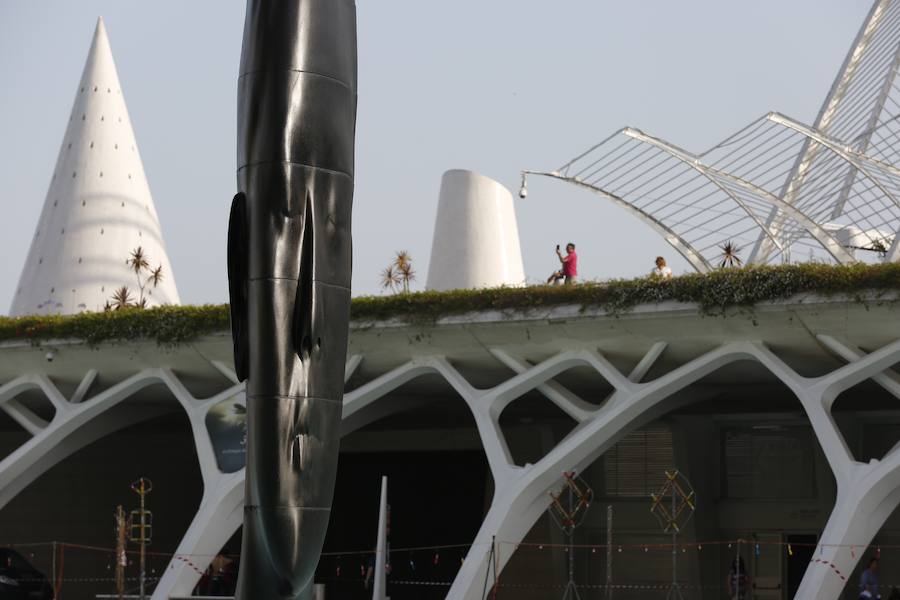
x=98 y=208
x=476 y=239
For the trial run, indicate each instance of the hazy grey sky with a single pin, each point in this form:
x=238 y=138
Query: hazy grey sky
x=490 y=85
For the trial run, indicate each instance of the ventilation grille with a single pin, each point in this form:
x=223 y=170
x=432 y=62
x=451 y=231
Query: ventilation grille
x=636 y=466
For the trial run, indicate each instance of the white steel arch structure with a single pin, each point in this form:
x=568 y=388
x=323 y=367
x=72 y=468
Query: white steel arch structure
x=684 y=247
x=871 y=204
x=862 y=106
x=832 y=188
x=862 y=168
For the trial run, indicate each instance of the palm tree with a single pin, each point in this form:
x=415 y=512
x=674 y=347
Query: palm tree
x=121 y=299
x=398 y=274
x=403 y=263
x=138 y=261
x=402 y=259
x=407 y=275
x=156 y=276
x=730 y=256
x=390 y=278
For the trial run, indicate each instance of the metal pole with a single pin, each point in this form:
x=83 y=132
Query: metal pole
x=495 y=548
x=572 y=546
x=143 y=541
x=609 y=556
x=120 y=559
x=54 y=564
x=379 y=587
x=674 y=552
x=737 y=569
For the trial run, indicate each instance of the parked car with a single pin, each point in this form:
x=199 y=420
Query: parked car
x=21 y=581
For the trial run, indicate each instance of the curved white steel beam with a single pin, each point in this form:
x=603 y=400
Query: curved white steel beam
x=854 y=159
x=681 y=245
x=818 y=233
x=830 y=111
x=863 y=140
x=693 y=161
x=828 y=241
x=860 y=161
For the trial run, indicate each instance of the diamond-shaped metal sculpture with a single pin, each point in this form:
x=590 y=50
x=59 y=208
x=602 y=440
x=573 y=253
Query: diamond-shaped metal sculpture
x=579 y=496
x=569 y=508
x=674 y=504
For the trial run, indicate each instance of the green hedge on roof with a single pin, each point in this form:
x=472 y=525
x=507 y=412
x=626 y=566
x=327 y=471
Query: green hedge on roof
x=712 y=292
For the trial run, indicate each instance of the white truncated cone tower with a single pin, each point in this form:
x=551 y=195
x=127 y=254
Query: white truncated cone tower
x=98 y=208
x=476 y=239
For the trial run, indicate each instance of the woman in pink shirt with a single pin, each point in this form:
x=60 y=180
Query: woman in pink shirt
x=569 y=269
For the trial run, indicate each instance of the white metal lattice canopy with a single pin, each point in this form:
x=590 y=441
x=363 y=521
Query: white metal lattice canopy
x=828 y=192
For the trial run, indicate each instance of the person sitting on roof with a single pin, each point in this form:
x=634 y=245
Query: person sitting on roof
x=661 y=270
x=569 y=269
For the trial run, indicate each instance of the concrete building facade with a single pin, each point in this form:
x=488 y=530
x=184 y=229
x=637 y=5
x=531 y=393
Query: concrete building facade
x=784 y=418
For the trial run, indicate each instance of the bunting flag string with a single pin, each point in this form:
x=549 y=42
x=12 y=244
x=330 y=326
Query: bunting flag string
x=415 y=556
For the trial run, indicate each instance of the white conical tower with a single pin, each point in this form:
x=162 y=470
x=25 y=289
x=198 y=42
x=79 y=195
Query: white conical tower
x=98 y=208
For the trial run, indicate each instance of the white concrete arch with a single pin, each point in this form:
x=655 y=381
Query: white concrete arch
x=867 y=493
x=221 y=511
x=83 y=419
x=75 y=424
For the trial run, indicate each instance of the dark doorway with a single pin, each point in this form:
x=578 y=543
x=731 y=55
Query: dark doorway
x=802 y=547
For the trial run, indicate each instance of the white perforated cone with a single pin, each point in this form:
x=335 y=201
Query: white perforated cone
x=98 y=208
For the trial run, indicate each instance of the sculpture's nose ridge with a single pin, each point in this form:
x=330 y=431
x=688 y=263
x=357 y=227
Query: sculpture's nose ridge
x=274 y=426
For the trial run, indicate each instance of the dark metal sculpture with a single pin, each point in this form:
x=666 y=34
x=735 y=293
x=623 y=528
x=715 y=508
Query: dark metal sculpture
x=289 y=277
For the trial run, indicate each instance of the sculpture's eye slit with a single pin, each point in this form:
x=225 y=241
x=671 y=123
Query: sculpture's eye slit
x=305 y=346
x=318 y=343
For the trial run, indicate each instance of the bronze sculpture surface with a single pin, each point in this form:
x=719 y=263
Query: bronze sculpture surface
x=289 y=262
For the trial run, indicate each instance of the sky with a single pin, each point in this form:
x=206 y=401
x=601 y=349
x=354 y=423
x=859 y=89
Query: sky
x=495 y=86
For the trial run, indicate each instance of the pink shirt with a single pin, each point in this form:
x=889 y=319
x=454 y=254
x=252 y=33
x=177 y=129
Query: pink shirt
x=570 y=265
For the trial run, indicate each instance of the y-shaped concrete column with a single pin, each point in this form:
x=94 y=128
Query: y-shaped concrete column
x=221 y=510
x=75 y=424
x=522 y=497
x=867 y=492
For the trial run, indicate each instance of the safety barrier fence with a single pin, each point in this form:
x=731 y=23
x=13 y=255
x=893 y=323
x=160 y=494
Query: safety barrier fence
x=534 y=569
